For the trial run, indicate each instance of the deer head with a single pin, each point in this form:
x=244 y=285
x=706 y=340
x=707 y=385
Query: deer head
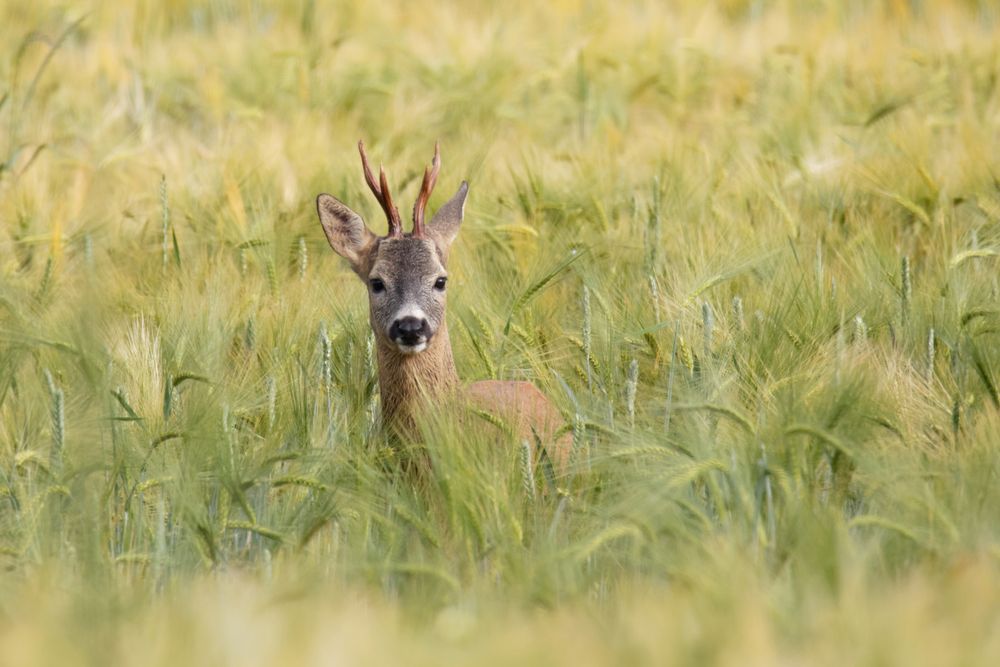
x=406 y=274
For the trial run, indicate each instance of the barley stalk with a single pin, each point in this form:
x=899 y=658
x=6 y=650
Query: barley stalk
x=324 y=351
x=46 y=283
x=527 y=470
x=229 y=435
x=907 y=288
x=168 y=396
x=272 y=400
x=370 y=355
x=303 y=258
x=654 y=292
x=557 y=515
x=819 y=264
x=956 y=416
x=772 y=527
x=371 y=375
x=708 y=324
x=250 y=334
x=326 y=367
x=272 y=276
x=670 y=380
x=686 y=355
x=631 y=386
x=654 y=228
x=586 y=337
x=161 y=558
x=57 y=414
x=165 y=221
x=841 y=348
x=860 y=330
x=931 y=340
x=768 y=498
x=579 y=434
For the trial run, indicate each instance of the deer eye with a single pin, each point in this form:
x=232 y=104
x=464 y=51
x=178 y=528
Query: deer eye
x=377 y=285
x=440 y=283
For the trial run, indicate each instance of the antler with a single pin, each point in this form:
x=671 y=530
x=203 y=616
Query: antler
x=382 y=194
x=430 y=178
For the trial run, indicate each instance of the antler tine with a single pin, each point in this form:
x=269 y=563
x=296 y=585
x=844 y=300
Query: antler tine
x=395 y=224
x=430 y=179
x=381 y=193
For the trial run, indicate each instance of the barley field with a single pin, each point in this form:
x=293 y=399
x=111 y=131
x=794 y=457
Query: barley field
x=749 y=248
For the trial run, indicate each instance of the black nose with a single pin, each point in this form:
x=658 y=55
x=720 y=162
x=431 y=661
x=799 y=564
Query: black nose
x=409 y=330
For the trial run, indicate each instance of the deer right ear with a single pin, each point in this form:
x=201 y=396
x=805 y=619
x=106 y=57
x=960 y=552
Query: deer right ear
x=345 y=230
x=448 y=218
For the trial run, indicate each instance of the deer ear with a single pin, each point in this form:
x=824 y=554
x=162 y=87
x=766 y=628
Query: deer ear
x=448 y=218
x=345 y=230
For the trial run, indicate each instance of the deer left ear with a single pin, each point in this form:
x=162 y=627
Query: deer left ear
x=346 y=232
x=446 y=221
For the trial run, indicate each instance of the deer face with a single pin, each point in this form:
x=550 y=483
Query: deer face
x=405 y=273
x=406 y=292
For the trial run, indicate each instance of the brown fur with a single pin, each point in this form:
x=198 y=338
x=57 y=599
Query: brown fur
x=408 y=382
x=402 y=272
x=529 y=412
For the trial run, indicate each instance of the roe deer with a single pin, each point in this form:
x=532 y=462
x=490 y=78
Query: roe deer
x=406 y=277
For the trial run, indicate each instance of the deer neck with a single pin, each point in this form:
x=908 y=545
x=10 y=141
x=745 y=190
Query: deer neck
x=408 y=382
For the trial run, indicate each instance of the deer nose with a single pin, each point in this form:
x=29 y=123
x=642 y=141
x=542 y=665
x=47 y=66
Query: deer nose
x=410 y=330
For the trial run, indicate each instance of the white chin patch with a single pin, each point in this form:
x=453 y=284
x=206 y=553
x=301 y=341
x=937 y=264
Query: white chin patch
x=412 y=349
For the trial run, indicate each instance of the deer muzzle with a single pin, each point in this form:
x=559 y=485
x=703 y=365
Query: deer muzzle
x=410 y=334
